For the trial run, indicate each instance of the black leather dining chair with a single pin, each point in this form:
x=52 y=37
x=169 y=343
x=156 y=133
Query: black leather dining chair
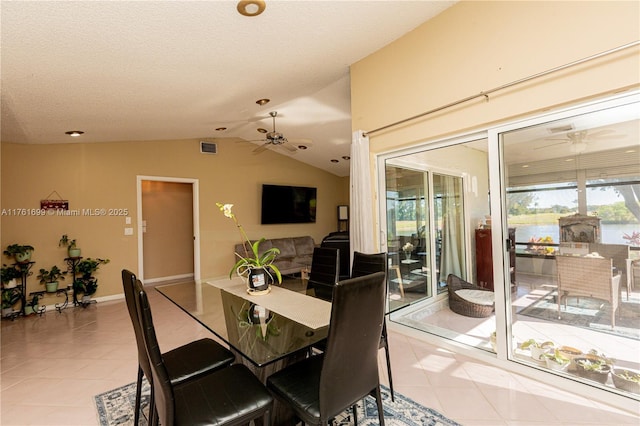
x=224 y=397
x=320 y=387
x=183 y=363
x=364 y=264
x=325 y=272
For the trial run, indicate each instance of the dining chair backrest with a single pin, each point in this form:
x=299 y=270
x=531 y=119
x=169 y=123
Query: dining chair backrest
x=129 y=284
x=350 y=365
x=163 y=391
x=325 y=271
x=364 y=264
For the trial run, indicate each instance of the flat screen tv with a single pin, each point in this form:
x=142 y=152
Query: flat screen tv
x=288 y=204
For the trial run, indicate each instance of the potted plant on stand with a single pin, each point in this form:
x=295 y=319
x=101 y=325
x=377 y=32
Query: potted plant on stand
x=9 y=276
x=21 y=253
x=258 y=269
x=72 y=250
x=9 y=298
x=50 y=278
x=86 y=283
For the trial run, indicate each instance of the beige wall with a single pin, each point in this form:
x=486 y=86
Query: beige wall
x=477 y=46
x=103 y=176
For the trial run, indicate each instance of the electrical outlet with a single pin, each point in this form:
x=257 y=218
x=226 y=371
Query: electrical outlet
x=128 y=231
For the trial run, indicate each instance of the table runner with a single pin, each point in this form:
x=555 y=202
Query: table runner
x=310 y=311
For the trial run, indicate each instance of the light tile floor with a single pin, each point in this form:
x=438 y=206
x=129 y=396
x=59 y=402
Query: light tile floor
x=52 y=366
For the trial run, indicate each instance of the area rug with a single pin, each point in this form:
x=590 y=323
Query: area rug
x=116 y=407
x=592 y=314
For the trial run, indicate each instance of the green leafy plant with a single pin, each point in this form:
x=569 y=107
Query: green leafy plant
x=66 y=242
x=535 y=344
x=51 y=275
x=627 y=375
x=9 y=298
x=7 y=273
x=19 y=252
x=598 y=365
x=87 y=283
x=257 y=260
x=557 y=357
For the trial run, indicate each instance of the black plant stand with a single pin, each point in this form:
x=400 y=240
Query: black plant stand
x=72 y=262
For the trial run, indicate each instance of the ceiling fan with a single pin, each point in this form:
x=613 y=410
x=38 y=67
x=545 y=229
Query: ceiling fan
x=578 y=140
x=274 y=138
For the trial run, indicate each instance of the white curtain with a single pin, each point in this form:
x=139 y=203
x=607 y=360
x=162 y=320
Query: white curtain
x=451 y=254
x=361 y=217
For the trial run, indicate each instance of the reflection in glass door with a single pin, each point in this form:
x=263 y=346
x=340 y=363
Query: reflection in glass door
x=425 y=233
x=407 y=236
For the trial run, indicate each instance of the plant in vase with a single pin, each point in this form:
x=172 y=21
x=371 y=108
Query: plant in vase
x=21 y=253
x=86 y=283
x=557 y=360
x=626 y=379
x=9 y=298
x=72 y=250
x=537 y=349
x=32 y=305
x=50 y=278
x=407 y=249
x=9 y=276
x=596 y=367
x=255 y=267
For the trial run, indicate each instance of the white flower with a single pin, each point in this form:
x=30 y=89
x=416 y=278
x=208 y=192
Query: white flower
x=407 y=247
x=226 y=209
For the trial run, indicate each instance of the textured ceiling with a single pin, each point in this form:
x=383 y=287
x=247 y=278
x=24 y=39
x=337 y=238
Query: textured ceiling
x=158 y=70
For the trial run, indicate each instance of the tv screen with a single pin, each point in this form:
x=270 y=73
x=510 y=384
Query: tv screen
x=288 y=204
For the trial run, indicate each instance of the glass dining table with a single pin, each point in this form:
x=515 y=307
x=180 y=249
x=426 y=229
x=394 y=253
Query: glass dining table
x=260 y=329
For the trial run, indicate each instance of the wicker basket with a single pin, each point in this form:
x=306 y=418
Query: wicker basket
x=462 y=306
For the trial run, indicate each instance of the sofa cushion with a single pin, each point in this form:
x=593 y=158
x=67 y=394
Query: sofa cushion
x=286 y=246
x=304 y=246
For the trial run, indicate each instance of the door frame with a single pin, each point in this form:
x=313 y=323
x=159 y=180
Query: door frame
x=196 y=219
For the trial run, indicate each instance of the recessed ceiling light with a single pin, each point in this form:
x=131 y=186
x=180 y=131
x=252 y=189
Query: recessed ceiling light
x=74 y=133
x=219 y=129
x=261 y=130
x=346 y=157
x=251 y=7
x=568 y=160
x=334 y=161
x=302 y=147
x=524 y=166
x=263 y=101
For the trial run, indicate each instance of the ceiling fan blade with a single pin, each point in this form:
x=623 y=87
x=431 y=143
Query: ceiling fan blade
x=553 y=144
x=262 y=148
x=289 y=147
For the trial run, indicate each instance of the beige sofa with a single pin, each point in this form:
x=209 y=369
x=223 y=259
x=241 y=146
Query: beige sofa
x=295 y=252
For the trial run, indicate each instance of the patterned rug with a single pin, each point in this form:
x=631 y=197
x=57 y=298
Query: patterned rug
x=115 y=407
x=589 y=313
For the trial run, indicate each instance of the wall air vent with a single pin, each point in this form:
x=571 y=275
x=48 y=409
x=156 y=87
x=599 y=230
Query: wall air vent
x=208 y=147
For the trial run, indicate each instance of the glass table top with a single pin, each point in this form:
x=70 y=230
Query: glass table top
x=261 y=333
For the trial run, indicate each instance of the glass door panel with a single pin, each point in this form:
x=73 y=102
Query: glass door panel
x=407 y=236
x=571 y=193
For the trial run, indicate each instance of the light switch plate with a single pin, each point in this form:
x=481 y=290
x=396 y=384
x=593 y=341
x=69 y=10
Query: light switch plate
x=128 y=231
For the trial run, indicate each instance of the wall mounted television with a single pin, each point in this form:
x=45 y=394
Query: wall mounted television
x=288 y=204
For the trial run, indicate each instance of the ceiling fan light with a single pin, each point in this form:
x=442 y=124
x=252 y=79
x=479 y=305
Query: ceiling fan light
x=578 y=147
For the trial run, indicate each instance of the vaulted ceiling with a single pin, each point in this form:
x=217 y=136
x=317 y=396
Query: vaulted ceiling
x=161 y=70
